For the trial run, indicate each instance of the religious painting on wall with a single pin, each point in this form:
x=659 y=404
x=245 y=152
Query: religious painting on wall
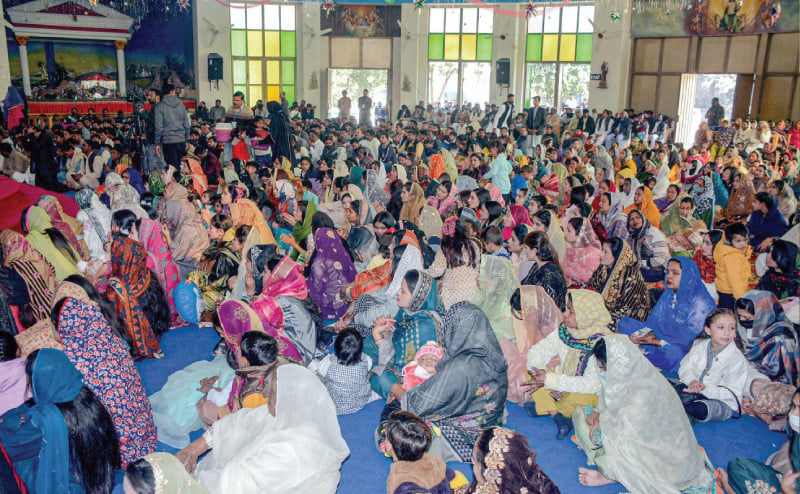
x=362 y=21
x=715 y=18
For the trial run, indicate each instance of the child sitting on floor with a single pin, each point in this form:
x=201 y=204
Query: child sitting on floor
x=423 y=366
x=493 y=242
x=408 y=439
x=714 y=371
x=344 y=373
x=732 y=265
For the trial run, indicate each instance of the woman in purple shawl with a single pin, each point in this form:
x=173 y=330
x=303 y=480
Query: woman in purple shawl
x=331 y=268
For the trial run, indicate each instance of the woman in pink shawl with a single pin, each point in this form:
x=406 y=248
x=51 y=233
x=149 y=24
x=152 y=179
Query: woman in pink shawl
x=64 y=223
x=445 y=198
x=582 y=255
x=516 y=215
x=332 y=269
x=159 y=260
x=495 y=194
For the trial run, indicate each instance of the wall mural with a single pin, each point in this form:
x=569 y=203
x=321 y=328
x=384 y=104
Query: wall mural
x=83 y=70
x=361 y=21
x=715 y=18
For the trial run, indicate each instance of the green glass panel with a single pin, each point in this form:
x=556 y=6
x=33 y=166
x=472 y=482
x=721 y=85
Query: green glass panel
x=484 y=47
x=533 y=48
x=288 y=44
x=289 y=90
x=436 y=47
x=238 y=43
x=287 y=72
x=583 y=49
x=239 y=72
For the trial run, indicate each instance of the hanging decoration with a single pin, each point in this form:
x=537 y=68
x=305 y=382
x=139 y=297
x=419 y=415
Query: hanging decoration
x=183 y=4
x=418 y=4
x=530 y=10
x=328 y=6
x=615 y=15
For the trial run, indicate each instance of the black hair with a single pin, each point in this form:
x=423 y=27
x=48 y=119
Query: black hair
x=784 y=254
x=397 y=254
x=221 y=222
x=540 y=242
x=106 y=307
x=125 y=220
x=458 y=244
x=348 y=346
x=321 y=220
x=258 y=348
x=715 y=236
x=710 y=319
x=577 y=224
x=59 y=240
x=736 y=229
x=341 y=182
x=447 y=184
x=483 y=195
x=516 y=300
x=8 y=347
x=520 y=232
x=140 y=476
x=767 y=199
x=412 y=278
x=745 y=304
x=409 y=435
x=577 y=196
x=492 y=235
x=540 y=199
x=615 y=244
x=242 y=233
x=544 y=217
x=495 y=210
x=385 y=219
x=599 y=351
x=688 y=200
x=93 y=441
x=155 y=308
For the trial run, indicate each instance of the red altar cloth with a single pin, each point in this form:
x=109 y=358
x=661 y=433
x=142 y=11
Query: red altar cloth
x=65 y=107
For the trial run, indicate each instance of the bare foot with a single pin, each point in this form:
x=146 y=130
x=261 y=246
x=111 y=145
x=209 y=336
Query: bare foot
x=722 y=479
x=592 y=478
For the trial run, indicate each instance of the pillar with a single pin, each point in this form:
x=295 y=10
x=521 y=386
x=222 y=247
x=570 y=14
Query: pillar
x=120 y=45
x=22 y=41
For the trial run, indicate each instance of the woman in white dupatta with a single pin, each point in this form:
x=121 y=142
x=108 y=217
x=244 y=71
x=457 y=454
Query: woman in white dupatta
x=639 y=435
x=292 y=444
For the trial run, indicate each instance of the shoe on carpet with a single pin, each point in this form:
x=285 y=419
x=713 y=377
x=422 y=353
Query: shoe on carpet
x=564 y=426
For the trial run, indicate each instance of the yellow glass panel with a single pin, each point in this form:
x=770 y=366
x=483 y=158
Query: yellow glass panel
x=254 y=94
x=273 y=93
x=469 y=46
x=254 y=71
x=255 y=44
x=567 y=51
x=272 y=42
x=451 y=42
x=273 y=72
x=550 y=47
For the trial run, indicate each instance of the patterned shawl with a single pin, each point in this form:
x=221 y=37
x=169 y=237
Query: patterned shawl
x=331 y=269
x=189 y=237
x=592 y=319
x=740 y=202
x=69 y=226
x=159 y=260
x=38 y=274
x=582 y=257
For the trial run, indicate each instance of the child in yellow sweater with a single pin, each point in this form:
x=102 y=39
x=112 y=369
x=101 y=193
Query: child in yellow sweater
x=733 y=265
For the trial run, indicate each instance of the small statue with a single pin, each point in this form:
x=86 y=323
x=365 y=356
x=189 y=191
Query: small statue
x=603 y=76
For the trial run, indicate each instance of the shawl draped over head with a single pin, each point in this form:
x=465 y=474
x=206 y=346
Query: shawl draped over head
x=470 y=379
x=130 y=279
x=189 y=237
x=418 y=324
x=703 y=201
x=673 y=223
x=97 y=232
x=648 y=208
x=123 y=196
x=582 y=257
x=616 y=283
x=592 y=319
x=159 y=260
x=54 y=380
x=510 y=466
x=246 y=212
x=615 y=220
x=646 y=455
x=411 y=209
x=430 y=222
x=171 y=476
x=38 y=274
x=36 y=221
x=331 y=269
x=237 y=318
x=497 y=280
x=539 y=316
x=156 y=184
x=519 y=216
x=64 y=223
x=135 y=179
x=771 y=343
x=555 y=233
x=374 y=279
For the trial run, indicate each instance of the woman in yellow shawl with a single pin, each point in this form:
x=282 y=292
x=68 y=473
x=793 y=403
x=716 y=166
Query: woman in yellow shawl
x=49 y=242
x=563 y=375
x=680 y=227
x=625 y=167
x=643 y=201
x=245 y=212
x=546 y=221
x=413 y=198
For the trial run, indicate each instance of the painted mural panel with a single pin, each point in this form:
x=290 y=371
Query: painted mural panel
x=362 y=21
x=715 y=18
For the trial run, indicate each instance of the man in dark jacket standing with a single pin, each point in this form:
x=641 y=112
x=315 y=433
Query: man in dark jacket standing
x=536 y=121
x=172 y=127
x=43 y=158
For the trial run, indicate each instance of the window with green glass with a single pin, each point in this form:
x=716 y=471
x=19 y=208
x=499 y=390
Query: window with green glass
x=460 y=43
x=264 y=51
x=561 y=38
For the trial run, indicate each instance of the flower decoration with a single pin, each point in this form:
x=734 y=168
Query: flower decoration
x=418 y=4
x=615 y=15
x=329 y=6
x=530 y=10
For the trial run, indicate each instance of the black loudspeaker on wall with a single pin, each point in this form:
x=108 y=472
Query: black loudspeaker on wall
x=215 y=67
x=503 y=71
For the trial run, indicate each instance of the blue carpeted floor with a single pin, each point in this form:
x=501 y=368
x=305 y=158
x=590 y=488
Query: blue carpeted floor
x=366 y=469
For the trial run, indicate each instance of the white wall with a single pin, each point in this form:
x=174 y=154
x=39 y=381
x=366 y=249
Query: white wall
x=409 y=56
x=219 y=15
x=615 y=48
x=5 y=70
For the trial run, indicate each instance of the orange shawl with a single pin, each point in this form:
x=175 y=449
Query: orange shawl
x=648 y=209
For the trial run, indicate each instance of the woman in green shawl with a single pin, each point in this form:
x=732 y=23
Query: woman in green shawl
x=357 y=177
x=49 y=242
x=680 y=226
x=301 y=229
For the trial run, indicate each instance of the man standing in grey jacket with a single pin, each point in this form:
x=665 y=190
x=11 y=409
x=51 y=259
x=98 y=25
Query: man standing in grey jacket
x=172 y=126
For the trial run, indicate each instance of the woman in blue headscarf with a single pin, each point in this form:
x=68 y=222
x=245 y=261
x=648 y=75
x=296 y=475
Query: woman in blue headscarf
x=64 y=429
x=677 y=318
x=134 y=178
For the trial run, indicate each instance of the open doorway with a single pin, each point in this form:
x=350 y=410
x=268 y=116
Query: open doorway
x=694 y=100
x=354 y=81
